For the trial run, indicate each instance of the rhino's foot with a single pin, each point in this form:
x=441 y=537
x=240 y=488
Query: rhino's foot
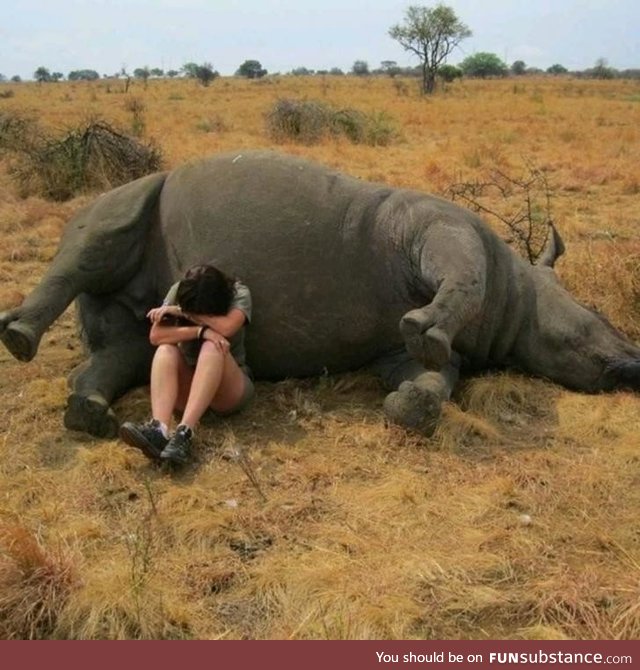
x=431 y=347
x=90 y=414
x=414 y=407
x=21 y=340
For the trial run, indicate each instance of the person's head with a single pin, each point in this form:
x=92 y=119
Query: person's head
x=205 y=290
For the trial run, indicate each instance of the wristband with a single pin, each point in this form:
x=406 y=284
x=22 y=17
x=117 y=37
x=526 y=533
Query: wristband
x=201 y=332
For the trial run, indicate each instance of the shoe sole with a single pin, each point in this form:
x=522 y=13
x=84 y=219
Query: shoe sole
x=134 y=438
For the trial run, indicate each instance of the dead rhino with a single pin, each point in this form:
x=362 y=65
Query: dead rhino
x=344 y=275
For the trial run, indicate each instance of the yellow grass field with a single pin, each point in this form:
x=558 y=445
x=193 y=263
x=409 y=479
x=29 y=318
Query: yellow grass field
x=307 y=517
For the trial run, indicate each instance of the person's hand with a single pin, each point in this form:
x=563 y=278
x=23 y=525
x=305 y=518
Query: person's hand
x=156 y=314
x=221 y=343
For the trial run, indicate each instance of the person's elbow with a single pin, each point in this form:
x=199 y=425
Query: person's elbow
x=229 y=326
x=155 y=336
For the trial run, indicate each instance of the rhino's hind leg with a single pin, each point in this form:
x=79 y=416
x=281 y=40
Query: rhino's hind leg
x=90 y=414
x=417 y=401
x=107 y=375
x=120 y=360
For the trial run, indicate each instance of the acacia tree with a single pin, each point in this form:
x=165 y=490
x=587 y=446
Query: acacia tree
x=360 y=68
x=431 y=34
x=42 y=74
x=483 y=64
x=556 y=68
x=251 y=69
x=204 y=73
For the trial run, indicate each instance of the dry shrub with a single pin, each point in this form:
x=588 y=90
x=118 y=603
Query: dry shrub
x=17 y=131
x=309 y=121
x=304 y=121
x=92 y=157
x=34 y=585
x=521 y=205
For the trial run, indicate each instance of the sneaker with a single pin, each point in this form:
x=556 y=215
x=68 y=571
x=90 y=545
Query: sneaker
x=178 y=449
x=147 y=437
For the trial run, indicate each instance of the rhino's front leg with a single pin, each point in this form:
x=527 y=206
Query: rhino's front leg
x=416 y=401
x=425 y=341
x=429 y=331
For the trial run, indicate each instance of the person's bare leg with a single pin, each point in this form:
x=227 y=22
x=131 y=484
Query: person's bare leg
x=206 y=381
x=218 y=383
x=232 y=389
x=170 y=380
x=167 y=371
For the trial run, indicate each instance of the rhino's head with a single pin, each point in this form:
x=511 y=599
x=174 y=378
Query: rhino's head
x=570 y=343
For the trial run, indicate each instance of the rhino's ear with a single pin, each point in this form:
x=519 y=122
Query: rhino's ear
x=554 y=248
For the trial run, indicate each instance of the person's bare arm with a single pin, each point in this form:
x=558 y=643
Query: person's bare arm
x=161 y=333
x=164 y=330
x=227 y=325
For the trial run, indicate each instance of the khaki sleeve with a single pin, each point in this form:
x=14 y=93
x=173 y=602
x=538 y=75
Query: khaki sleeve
x=170 y=298
x=242 y=300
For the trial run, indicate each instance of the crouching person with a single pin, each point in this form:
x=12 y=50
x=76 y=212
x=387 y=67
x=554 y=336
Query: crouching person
x=199 y=362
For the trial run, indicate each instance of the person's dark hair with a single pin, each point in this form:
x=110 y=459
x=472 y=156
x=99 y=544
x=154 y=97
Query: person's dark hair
x=205 y=290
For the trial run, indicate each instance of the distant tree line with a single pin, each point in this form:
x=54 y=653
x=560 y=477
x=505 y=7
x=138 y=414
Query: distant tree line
x=428 y=33
x=480 y=65
x=483 y=65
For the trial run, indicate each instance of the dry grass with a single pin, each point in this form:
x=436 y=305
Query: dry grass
x=518 y=519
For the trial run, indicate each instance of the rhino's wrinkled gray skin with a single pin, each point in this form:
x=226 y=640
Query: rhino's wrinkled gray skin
x=344 y=274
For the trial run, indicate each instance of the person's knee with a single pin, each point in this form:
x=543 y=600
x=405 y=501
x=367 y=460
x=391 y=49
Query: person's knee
x=210 y=349
x=167 y=352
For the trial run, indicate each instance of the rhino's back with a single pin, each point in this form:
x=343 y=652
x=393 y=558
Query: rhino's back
x=302 y=237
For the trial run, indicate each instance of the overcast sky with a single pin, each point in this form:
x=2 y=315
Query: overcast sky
x=106 y=35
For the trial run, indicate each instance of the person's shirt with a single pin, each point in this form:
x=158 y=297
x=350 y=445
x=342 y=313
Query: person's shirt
x=242 y=301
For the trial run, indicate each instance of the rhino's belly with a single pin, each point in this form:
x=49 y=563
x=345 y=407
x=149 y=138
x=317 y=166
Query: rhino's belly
x=305 y=343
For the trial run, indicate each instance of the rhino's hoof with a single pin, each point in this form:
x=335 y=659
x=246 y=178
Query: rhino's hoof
x=414 y=408
x=20 y=340
x=90 y=414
